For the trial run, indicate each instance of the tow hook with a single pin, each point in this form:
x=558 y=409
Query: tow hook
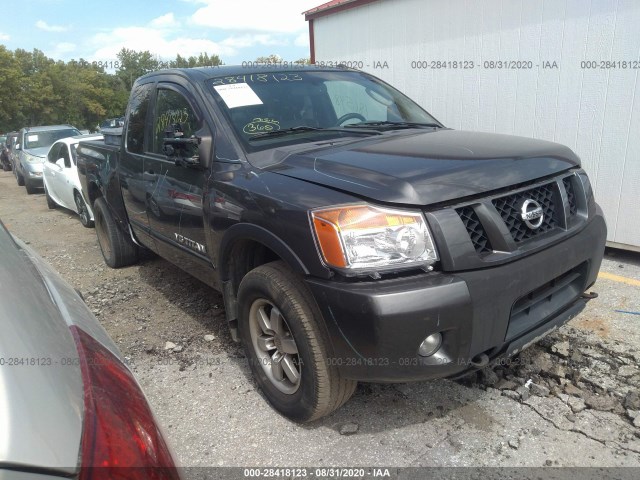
x=590 y=295
x=480 y=361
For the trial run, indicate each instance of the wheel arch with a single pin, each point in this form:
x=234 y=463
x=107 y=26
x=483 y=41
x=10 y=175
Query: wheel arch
x=243 y=248
x=93 y=192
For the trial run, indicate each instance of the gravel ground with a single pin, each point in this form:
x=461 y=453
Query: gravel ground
x=570 y=400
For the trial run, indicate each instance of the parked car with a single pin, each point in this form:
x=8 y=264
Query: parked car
x=60 y=178
x=68 y=399
x=32 y=147
x=111 y=123
x=4 y=153
x=12 y=138
x=352 y=235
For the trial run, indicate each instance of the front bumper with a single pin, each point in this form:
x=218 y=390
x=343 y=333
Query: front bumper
x=376 y=327
x=33 y=175
x=34 y=180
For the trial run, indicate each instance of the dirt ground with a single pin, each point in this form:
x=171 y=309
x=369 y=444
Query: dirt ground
x=570 y=400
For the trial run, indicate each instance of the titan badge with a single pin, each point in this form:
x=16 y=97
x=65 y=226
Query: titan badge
x=192 y=244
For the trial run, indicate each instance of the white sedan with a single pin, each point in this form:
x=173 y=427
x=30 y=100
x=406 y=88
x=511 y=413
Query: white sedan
x=61 y=182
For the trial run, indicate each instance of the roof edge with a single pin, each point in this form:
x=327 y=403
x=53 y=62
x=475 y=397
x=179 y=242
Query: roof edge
x=334 y=6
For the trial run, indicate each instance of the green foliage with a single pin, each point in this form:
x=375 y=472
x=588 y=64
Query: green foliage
x=273 y=58
x=36 y=90
x=202 y=60
x=278 y=60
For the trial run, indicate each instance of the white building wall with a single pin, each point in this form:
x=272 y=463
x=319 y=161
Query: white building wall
x=594 y=111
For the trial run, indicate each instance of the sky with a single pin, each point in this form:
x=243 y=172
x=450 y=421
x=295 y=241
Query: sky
x=237 y=31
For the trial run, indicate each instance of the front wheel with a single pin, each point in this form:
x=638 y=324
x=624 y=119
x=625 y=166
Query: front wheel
x=117 y=249
x=83 y=210
x=19 y=179
x=287 y=349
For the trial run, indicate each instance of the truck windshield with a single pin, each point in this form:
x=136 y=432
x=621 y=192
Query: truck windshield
x=46 y=138
x=331 y=102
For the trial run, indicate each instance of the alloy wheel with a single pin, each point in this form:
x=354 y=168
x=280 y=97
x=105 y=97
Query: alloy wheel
x=83 y=211
x=274 y=346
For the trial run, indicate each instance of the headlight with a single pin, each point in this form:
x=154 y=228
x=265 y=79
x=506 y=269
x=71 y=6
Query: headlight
x=365 y=238
x=32 y=159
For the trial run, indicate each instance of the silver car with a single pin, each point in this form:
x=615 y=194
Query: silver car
x=67 y=400
x=31 y=149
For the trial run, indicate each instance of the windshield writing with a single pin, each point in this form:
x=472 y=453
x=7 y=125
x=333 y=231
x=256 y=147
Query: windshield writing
x=328 y=101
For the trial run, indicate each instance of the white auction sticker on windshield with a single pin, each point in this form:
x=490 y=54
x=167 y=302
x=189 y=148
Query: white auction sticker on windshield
x=238 y=95
x=32 y=138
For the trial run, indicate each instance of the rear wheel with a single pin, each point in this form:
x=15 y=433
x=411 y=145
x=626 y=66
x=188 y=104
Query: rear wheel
x=117 y=249
x=50 y=203
x=83 y=210
x=286 y=347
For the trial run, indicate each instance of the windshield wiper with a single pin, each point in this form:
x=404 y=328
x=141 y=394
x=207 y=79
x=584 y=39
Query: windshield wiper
x=304 y=128
x=395 y=125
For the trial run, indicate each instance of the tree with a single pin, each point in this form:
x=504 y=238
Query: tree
x=273 y=58
x=36 y=90
x=133 y=65
x=36 y=95
x=10 y=83
x=202 y=60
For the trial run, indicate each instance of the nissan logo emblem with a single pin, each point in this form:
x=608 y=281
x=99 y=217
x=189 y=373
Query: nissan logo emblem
x=532 y=214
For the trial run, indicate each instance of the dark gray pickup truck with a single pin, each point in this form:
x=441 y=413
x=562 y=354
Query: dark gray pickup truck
x=353 y=236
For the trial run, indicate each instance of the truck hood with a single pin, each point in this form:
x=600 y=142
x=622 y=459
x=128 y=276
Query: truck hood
x=429 y=166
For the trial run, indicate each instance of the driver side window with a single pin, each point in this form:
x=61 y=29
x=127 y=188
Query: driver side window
x=64 y=153
x=171 y=109
x=54 y=153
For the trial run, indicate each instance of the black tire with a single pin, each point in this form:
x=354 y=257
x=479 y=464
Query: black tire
x=19 y=179
x=117 y=249
x=50 y=202
x=320 y=389
x=83 y=210
x=30 y=188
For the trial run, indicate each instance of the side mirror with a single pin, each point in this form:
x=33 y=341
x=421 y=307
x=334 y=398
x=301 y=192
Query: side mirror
x=60 y=162
x=183 y=150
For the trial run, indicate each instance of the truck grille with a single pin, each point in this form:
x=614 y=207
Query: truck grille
x=475 y=229
x=571 y=196
x=509 y=209
x=489 y=230
x=495 y=225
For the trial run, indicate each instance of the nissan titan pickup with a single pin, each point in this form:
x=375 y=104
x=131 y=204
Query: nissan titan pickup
x=353 y=236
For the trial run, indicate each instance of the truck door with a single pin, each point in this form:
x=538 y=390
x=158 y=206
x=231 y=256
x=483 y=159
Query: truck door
x=133 y=179
x=175 y=190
